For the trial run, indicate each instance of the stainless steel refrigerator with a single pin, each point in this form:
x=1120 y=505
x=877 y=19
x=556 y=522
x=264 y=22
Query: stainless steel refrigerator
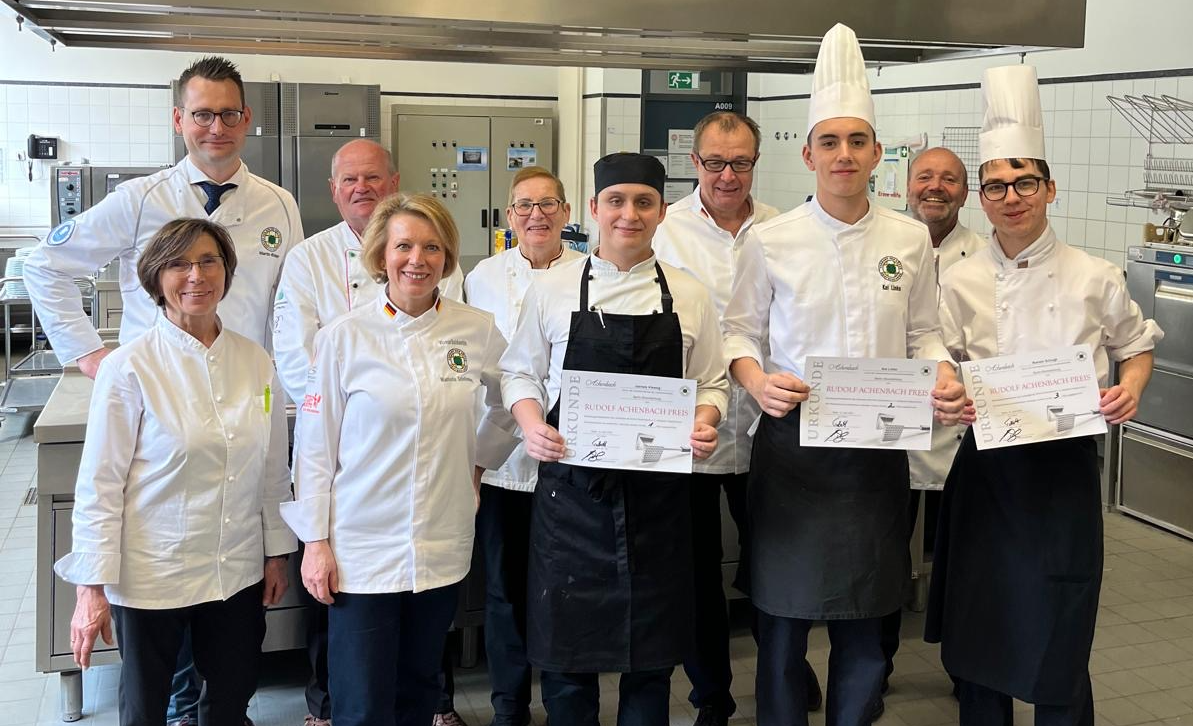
x=317 y=119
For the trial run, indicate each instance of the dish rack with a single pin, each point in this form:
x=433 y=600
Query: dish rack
x=1166 y=122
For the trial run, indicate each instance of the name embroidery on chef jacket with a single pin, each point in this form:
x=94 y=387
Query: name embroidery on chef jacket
x=456 y=359
x=891 y=270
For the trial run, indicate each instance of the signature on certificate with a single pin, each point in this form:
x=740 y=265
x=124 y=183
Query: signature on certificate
x=838 y=436
x=594 y=455
x=1011 y=434
x=600 y=441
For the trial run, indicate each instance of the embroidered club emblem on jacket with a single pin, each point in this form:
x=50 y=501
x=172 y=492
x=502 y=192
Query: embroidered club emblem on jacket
x=271 y=238
x=457 y=360
x=890 y=268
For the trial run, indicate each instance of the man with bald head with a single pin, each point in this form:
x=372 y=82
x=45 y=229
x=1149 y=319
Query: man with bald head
x=937 y=187
x=323 y=278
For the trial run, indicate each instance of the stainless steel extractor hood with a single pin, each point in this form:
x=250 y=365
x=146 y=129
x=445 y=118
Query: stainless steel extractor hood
x=775 y=36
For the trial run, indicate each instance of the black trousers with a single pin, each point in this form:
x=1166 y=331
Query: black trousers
x=503 y=529
x=575 y=698
x=708 y=665
x=226 y=638
x=981 y=706
x=855 y=669
x=893 y=623
x=384 y=656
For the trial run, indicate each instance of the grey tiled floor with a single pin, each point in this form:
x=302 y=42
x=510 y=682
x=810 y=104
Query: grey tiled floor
x=1142 y=663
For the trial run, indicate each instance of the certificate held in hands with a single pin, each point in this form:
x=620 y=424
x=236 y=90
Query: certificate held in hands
x=625 y=421
x=1024 y=399
x=868 y=403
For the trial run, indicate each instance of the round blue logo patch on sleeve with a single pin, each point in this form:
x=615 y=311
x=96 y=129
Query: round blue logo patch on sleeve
x=61 y=233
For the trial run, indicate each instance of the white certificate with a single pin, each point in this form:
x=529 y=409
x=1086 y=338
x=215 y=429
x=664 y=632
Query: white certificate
x=1023 y=399
x=868 y=403
x=622 y=421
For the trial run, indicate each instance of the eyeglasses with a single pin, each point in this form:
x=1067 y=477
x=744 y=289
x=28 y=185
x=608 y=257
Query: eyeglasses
x=548 y=206
x=206 y=263
x=231 y=117
x=741 y=166
x=1024 y=187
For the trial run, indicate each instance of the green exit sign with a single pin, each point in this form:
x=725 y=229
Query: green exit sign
x=683 y=80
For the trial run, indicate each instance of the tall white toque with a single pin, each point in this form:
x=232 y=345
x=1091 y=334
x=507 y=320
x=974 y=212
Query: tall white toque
x=1013 y=126
x=839 y=86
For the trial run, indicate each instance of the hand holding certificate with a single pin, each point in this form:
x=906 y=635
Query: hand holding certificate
x=1023 y=399
x=623 y=421
x=868 y=403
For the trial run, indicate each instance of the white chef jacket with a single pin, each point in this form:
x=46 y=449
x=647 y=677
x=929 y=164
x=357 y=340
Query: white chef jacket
x=387 y=439
x=929 y=469
x=182 y=472
x=689 y=239
x=323 y=278
x=823 y=288
x=261 y=217
x=990 y=306
x=533 y=363
x=498 y=284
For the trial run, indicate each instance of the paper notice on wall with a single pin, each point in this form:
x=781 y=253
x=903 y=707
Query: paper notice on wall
x=665 y=161
x=680 y=166
x=679 y=141
x=675 y=191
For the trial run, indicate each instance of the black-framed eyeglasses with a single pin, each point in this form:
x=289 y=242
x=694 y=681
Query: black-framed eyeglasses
x=1024 y=187
x=548 y=206
x=206 y=263
x=230 y=117
x=741 y=166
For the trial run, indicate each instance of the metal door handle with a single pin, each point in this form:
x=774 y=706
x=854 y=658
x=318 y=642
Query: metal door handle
x=495 y=216
x=484 y=219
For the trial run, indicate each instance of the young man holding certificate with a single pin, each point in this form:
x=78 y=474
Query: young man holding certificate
x=610 y=576
x=837 y=276
x=1018 y=561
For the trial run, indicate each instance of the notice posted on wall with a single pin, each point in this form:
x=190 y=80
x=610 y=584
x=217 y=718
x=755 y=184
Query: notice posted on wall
x=519 y=158
x=472 y=158
x=679 y=141
x=674 y=191
x=680 y=166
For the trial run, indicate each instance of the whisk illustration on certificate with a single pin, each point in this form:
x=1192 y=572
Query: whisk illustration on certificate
x=652 y=452
x=892 y=431
x=1066 y=421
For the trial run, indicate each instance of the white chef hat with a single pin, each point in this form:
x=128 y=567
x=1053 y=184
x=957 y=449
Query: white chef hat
x=839 y=85
x=1013 y=127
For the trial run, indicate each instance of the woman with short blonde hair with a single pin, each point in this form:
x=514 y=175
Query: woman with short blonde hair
x=417 y=205
x=384 y=479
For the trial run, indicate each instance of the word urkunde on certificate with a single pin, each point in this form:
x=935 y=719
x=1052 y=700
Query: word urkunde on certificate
x=868 y=403
x=1023 y=399
x=624 y=421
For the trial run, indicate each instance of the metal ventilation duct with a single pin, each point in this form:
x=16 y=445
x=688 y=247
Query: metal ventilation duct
x=773 y=36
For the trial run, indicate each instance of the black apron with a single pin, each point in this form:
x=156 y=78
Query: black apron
x=1018 y=568
x=828 y=527
x=610 y=572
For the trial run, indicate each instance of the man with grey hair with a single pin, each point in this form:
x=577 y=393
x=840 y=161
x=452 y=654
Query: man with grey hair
x=703 y=235
x=323 y=279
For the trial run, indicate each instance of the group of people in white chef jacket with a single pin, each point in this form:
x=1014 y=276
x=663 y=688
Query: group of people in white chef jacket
x=398 y=462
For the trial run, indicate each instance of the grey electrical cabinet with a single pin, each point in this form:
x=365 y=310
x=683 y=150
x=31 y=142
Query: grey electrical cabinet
x=466 y=157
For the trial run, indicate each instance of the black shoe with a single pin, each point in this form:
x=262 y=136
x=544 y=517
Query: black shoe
x=815 y=695
x=711 y=716
x=878 y=710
